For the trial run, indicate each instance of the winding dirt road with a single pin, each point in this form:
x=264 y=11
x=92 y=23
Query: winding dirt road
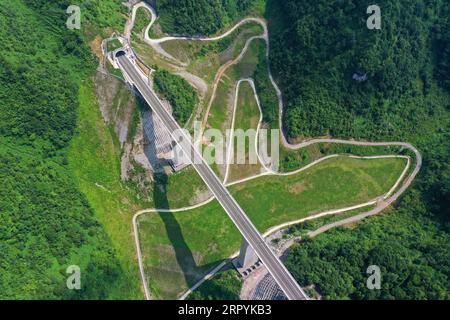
x=382 y=202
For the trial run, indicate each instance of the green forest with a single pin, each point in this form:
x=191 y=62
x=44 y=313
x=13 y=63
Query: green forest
x=316 y=49
x=337 y=77
x=225 y=285
x=200 y=16
x=46 y=223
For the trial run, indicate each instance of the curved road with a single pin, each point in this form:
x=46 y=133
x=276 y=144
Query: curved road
x=279 y=272
x=227 y=200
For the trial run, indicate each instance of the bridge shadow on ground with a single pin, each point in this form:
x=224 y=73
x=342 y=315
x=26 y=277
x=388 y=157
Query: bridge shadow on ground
x=187 y=264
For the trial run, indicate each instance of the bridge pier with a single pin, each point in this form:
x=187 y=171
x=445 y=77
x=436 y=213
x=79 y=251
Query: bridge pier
x=276 y=268
x=247 y=256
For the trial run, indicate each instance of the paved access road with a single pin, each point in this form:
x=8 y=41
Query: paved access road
x=279 y=272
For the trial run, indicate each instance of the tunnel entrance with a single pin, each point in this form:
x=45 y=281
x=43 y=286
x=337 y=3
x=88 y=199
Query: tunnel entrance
x=120 y=53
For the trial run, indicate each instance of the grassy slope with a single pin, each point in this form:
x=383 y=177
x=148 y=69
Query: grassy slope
x=179 y=247
x=225 y=285
x=100 y=181
x=247 y=117
x=181 y=95
x=113 y=202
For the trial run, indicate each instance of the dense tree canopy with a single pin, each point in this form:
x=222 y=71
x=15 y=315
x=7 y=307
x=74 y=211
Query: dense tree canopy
x=411 y=251
x=46 y=223
x=340 y=78
x=337 y=78
x=199 y=16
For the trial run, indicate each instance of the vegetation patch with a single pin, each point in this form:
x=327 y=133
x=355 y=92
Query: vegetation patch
x=341 y=79
x=225 y=285
x=220 y=112
x=181 y=95
x=247 y=117
x=141 y=21
x=202 y=16
x=267 y=95
x=47 y=223
x=203 y=237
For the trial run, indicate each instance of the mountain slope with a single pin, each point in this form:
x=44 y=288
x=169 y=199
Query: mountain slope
x=340 y=78
x=47 y=224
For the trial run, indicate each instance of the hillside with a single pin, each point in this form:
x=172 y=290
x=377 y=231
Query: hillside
x=200 y=16
x=47 y=223
x=317 y=47
x=402 y=94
